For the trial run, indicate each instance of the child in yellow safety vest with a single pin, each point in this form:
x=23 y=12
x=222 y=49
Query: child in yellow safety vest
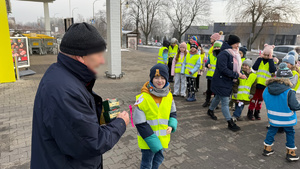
x=180 y=79
x=201 y=70
x=173 y=50
x=243 y=52
x=264 y=67
x=290 y=61
x=243 y=89
x=190 y=67
x=163 y=53
x=155 y=117
x=190 y=42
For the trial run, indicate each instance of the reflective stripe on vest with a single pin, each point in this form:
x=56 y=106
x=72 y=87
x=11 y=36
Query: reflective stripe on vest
x=279 y=113
x=263 y=73
x=179 y=64
x=245 y=87
x=173 y=51
x=190 y=63
x=157 y=117
x=298 y=81
x=160 y=55
x=212 y=62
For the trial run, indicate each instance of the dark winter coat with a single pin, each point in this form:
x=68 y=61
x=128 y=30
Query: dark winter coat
x=222 y=80
x=66 y=132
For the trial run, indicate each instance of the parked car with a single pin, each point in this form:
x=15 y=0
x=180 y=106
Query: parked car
x=281 y=51
x=158 y=44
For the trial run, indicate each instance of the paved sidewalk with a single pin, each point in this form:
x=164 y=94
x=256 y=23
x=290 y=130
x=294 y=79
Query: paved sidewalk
x=198 y=143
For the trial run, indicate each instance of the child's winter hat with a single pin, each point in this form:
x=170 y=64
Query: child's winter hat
x=159 y=70
x=174 y=40
x=166 y=43
x=294 y=54
x=216 y=36
x=233 y=39
x=248 y=62
x=244 y=50
x=218 y=44
x=194 y=45
x=194 y=38
x=183 y=45
x=268 y=50
x=289 y=59
x=284 y=71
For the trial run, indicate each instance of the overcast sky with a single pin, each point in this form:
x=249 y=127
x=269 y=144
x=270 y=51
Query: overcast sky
x=25 y=11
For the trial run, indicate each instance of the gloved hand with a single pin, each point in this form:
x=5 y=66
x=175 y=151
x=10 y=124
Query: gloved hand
x=251 y=96
x=235 y=95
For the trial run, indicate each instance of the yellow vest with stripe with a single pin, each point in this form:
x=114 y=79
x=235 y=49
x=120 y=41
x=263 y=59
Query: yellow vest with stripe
x=157 y=117
x=298 y=81
x=243 y=59
x=160 y=55
x=173 y=51
x=263 y=73
x=188 y=46
x=245 y=87
x=179 y=64
x=202 y=56
x=190 y=63
x=212 y=62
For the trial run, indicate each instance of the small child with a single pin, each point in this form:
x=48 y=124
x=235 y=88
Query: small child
x=155 y=117
x=211 y=65
x=190 y=67
x=191 y=41
x=173 y=50
x=163 y=53
x=264 y=67
x=243 y=89
x=180 y=79
x=243 y=52
x=201 y=70
x=290 y=60
x=281 y=103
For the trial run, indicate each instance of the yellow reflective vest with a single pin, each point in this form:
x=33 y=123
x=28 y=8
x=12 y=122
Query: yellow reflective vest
x=160 y=55
x=245 y=87
x=298 y=81
x=190 y=63
x=157 y=117
x=178 y=64
x=188 y=46
x=212 y=62
x=173 y=51
x=263 y=73
x=243 y=59
x=202 y=56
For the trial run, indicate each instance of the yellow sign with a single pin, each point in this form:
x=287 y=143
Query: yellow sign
x=49 y=43
x=7 y=73
x=35 y=44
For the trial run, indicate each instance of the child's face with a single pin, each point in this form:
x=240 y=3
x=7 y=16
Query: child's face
x=193 y=50
x=212 y=40
x=245 y=68
x=182 y=49
x=159 y=82
x=173 y=44
x=289 y=65
x=216 y=48
x=199 y=47
x=242 y=54
x=191 y=40
x=266 y=56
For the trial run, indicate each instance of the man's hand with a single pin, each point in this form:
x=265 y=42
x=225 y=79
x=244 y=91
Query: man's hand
x=242 y=76
x=209 y=66
x=124 y=115
x=169 y=130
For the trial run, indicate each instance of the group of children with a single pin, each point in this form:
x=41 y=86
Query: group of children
x=155 y=111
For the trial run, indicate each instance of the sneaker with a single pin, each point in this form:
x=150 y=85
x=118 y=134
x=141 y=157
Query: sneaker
x=256 y=115
x=175 y=95
x=212 y=114
x=234 y=119
x=206 y=104
x=192 y=98
x=268 y=153
x=217 y=107
x=291 y=155
x=250 y=115
x=232 y=126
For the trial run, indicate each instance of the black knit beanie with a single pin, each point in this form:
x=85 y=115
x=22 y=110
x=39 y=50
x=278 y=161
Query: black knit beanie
x=82 y=39
x=166 y=43
x=233 y=39
x=244 y=50
x=159 y=70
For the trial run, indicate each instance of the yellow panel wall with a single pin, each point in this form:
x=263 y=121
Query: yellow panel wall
x=7 y=73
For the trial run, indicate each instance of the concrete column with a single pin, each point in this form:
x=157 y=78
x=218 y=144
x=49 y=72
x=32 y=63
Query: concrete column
x=47 y=18
x=113 y=39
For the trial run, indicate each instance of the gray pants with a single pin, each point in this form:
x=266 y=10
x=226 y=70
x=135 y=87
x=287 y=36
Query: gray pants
x=180 y=81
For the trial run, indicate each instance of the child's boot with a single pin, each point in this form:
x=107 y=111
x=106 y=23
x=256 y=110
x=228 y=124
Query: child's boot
x=212 y=114
x=256 y=115
x=291 y=154
x=250 y=115
x=268 y=150
x=232 y=126
x=192 y=98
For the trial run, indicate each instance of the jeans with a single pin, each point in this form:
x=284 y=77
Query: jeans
x=290 y=136
x=151 y=160
x=225 y=105
x=238 y=110
x=180 y=82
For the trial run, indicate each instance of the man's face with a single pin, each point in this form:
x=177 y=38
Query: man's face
x=159 y=82
x=93 y=61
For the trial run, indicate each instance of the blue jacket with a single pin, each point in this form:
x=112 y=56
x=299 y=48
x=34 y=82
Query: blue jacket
x=65 y=131
x=281 y=103
x=222 y=81
x=194 y=70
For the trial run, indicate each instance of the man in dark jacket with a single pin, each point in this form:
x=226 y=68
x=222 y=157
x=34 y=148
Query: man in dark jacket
x=222 y=81
x=65 y=131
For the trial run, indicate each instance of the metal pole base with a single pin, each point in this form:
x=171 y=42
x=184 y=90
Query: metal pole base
x=113 y=76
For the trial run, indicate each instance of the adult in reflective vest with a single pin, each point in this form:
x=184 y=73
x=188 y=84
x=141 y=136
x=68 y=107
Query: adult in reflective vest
x=155 y=117
x=211 y=65
x=290 y=61
x=281 y=104
x=190 y=67
x=264 y=67
x=173 y=50
x=163 y=53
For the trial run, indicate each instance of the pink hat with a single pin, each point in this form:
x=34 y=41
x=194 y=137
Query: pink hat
x=268 y=50
x=183 y=45
x=216 y=36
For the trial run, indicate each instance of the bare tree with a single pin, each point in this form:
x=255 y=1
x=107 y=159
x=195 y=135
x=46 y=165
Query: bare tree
x=258 y=12
x=183 y=14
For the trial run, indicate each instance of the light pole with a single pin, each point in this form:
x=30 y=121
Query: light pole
x=73 y=12
x=94 y=9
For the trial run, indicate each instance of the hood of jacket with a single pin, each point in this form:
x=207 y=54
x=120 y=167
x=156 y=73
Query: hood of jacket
x=277 y=86
x=225 y=46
